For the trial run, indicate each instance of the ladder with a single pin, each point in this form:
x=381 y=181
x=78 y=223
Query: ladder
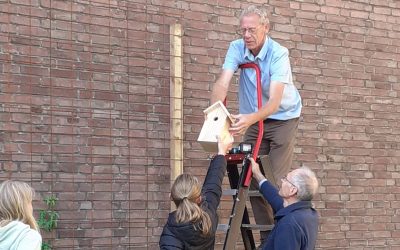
x=239 y=218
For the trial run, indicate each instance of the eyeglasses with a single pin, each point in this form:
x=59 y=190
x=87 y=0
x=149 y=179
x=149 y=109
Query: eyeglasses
x=252 y=31
x=284 y=178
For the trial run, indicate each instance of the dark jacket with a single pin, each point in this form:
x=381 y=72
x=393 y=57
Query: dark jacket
x=183 y=235
x=296 y=226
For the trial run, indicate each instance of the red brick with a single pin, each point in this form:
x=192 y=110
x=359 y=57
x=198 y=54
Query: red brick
x=78 y=120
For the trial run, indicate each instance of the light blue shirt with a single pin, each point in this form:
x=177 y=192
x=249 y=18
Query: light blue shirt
x=274 y=64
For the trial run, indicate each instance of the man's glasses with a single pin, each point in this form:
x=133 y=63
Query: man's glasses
x=284 y=178
x=251 y=31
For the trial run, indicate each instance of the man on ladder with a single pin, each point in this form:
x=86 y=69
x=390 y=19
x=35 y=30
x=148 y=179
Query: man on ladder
x=281 y=102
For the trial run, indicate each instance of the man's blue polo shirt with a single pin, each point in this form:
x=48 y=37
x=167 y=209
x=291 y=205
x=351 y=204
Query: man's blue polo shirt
x=274 y=63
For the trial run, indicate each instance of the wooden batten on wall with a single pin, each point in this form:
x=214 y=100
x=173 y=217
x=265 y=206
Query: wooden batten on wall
x=176 y=101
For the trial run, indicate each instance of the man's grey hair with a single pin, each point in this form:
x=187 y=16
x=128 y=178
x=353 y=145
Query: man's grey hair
x=252 y=9
x=306 y=182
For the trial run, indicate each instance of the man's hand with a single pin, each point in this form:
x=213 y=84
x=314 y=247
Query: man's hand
x=255 y=168
x=242 y=123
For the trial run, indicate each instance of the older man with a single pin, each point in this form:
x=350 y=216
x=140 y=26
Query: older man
x=281 y=102
x=296 y=224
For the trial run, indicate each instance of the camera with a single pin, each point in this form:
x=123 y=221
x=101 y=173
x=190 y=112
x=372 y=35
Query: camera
x=242 y=148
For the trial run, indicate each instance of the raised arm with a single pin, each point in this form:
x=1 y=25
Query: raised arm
x=212 y=190
x=221 y=86
x=269 y=192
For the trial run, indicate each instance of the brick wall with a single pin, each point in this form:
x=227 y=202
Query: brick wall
x=84 y=90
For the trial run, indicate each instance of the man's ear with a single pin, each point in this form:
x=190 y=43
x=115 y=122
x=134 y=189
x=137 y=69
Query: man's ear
x=267 y=27
x=293 y=190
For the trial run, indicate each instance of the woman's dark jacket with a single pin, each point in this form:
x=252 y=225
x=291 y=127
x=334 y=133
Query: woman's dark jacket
x=183 y=235
x=296 y=226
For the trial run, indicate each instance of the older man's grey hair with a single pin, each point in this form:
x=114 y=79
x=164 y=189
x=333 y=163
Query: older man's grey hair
x=252 y=9
x=306 y=182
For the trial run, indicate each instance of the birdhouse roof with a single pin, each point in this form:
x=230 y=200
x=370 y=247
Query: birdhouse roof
x=220 y=106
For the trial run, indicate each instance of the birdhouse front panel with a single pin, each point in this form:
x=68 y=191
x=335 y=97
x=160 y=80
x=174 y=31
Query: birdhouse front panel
x=217 y=123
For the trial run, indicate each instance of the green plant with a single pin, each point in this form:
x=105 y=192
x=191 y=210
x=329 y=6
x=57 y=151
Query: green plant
x=46 y=246
x=48 y=218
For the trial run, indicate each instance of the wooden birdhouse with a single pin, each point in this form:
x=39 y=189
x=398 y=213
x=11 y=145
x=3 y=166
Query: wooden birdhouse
x=218 y=120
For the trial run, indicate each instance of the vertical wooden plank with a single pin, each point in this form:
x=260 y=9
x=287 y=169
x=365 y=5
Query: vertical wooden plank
x=176 y=101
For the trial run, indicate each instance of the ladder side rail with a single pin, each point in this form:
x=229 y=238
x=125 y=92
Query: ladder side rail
x=254 y=66
x=239 y=214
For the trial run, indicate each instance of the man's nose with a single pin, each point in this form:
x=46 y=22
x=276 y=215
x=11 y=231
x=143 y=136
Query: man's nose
x=247 y=33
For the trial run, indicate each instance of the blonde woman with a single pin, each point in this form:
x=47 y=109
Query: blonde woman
x=193 y=224
x=18 y=227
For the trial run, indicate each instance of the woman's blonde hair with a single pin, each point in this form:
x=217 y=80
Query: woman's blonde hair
x=15 y=197
x=185 y=193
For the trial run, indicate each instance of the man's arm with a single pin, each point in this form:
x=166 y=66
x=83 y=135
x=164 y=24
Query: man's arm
x=276 y=93
x=244 y=121
x=220 y=88
x=269 y=192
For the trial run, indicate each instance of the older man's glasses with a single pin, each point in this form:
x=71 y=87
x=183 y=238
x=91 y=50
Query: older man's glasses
x=284 y=178
x=251 y=31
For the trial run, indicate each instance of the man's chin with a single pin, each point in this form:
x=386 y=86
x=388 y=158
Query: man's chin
x=249 y=45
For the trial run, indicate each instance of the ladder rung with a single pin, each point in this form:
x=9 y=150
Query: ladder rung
x=223 y=227
x=230 y=192
x=254 y=193
x=258 y=227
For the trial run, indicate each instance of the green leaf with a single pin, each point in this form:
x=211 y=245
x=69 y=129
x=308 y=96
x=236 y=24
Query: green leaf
x=46 y=246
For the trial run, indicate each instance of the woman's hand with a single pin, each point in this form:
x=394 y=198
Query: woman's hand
x=224 y=143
